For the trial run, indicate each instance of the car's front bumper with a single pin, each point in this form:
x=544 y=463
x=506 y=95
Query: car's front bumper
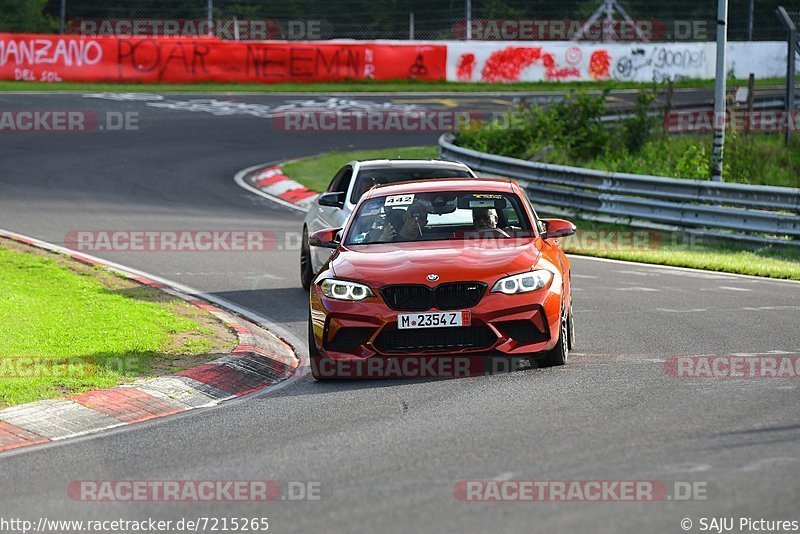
x=512 y=325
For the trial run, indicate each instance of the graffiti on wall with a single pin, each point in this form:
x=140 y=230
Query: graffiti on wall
x=553 y=61
x=54 y=58
x=508 y=63
x=664 y=62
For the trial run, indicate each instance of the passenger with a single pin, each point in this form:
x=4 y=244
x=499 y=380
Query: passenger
x=484 y=218
x=485 y=221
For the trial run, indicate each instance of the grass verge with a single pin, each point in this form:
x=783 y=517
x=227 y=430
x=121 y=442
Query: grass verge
x=353 y=86
x=66 y=328
x=680 y=250
x=667 y=248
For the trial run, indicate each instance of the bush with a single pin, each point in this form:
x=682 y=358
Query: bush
x=573 y=125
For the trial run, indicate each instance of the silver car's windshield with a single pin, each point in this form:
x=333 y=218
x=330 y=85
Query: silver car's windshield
x=369 y=177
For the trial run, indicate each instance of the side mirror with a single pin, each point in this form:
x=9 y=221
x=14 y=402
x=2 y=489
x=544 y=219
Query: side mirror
x=557 y=228
x=326 y=238
x=333 y=200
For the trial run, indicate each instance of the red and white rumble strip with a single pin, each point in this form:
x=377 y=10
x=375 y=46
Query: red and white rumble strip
x=272 y=181
x=259 y=360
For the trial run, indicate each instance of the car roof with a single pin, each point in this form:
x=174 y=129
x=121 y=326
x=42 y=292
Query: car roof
x=424 y=163
x=496 y=185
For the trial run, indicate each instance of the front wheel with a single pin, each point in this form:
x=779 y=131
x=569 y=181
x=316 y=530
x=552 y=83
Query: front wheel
x=571 y=325
x=306 y=270
x=559 y=354
x=314 y=356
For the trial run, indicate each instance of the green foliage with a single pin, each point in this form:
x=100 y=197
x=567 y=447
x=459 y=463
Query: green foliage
x=638 y=130
x=573 y=125
x=634 y=145
x=694 y=163
x=25 y=16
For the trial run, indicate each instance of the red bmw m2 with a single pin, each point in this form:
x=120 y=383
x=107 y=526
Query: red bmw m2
x=438 y=269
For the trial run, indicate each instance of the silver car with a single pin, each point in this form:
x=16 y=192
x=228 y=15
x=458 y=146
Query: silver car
x=332 y=208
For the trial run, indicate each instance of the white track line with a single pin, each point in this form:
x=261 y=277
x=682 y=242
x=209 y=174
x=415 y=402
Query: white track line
x=686 y=269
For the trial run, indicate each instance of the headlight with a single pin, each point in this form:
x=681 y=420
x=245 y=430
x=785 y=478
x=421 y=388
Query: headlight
x=523 y=283
x=343 y=290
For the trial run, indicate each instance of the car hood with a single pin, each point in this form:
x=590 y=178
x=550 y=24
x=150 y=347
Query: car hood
x=411 y=263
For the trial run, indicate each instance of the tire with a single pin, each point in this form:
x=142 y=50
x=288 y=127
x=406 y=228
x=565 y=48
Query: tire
x=571 y=326
x=306 y=269
x=314 y=356
x=559 y=354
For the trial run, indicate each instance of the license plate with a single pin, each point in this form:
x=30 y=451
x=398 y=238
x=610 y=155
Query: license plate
x=407 y=321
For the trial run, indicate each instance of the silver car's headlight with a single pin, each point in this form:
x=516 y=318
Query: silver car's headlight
x=344 y=290
x=523 y=283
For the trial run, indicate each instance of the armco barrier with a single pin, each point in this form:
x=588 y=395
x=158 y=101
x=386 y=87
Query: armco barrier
x=207 y=59
x=758 y=214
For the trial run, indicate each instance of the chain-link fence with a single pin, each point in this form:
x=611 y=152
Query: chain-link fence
x=633 y=20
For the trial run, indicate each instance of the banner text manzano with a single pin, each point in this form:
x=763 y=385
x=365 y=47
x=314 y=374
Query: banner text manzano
x=179 y=60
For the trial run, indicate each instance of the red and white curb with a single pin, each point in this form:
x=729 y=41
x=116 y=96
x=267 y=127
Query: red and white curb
x=261 y=359
x=268 y=181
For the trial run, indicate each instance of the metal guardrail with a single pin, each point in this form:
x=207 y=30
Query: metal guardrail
x=754 y=213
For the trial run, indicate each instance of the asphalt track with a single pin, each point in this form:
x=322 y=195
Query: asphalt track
x=388 y=453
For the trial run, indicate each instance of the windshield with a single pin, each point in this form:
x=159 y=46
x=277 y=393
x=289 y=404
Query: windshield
x=369 y=177
x=438 y=216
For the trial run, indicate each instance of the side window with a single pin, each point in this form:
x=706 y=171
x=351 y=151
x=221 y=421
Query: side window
x=539 y=224
x=510 y=216
x=341 y=181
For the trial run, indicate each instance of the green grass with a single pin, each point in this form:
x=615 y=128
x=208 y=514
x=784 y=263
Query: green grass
x=65 y=330
x=316 y=172
x=352 y=86
x=676 y=250
x=682 y=250
x=756 y=158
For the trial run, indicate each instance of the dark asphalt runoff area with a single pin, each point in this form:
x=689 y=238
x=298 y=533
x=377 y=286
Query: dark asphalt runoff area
x=387 y=454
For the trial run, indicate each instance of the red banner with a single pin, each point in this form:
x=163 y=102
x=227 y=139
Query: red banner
x=170 y=60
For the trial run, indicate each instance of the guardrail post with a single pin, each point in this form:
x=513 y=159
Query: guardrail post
x=719 y=91
x=210 y=15
x=791 y=31
x=63 y=16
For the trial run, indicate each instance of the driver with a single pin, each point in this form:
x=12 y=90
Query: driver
x=410 y=227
